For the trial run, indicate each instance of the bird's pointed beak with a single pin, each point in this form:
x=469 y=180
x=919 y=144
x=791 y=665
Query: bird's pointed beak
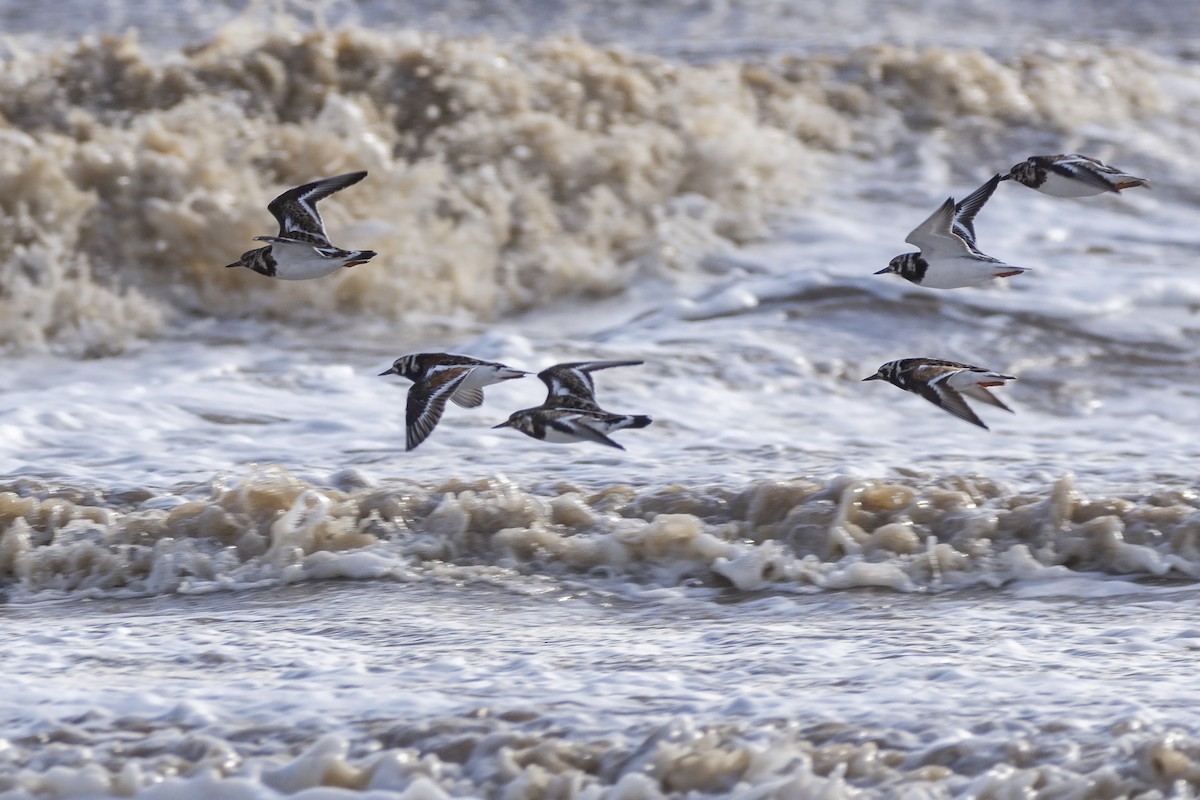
x=874 y=377
x=391 y=371
x=505 y=424
x=231 y=266
x=883 y=271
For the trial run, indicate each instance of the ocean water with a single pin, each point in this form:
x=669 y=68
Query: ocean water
x=225 y=578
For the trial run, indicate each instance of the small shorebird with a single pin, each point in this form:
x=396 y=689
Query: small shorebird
x=949 y=258
x=1071 y=175
x=944 y=383
x=570 y=412
x=438 y=377
x=302 y=249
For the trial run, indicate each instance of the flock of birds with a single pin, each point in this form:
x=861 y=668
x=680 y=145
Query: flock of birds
x=569 y=414
x=948 y=259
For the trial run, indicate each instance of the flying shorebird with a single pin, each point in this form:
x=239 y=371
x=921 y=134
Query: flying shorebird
x=302 y=249
x=438 y=377
x=949 y=258
x=570 y=412
x=1071 y=175
x=944 y=383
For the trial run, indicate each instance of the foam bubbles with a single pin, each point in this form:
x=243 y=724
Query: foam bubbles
x=271 y=528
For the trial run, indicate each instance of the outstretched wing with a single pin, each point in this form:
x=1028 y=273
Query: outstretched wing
x=427 y=400
x=944 y=396
x=968 y=207
x=577 y=425
x=571 y=384
x=296 y=209
x=935 y=238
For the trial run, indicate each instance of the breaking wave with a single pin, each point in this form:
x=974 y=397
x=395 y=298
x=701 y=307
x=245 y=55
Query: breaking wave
x=502 y=176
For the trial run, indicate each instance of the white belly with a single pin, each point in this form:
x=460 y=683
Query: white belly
x=298 y=262
x=955 y=273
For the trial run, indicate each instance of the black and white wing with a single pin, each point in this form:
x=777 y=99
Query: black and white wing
x=939 y=392
x=427 y=400
x=296 y=209
x=966 y=209
x=571 y=384
x=580 y=424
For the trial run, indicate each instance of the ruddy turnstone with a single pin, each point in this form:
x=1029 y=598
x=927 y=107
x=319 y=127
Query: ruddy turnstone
x=944 y=383
x=1071 y=175
x=302 y=249
x=570 y=412
x=949 y=258
x=438 y=377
